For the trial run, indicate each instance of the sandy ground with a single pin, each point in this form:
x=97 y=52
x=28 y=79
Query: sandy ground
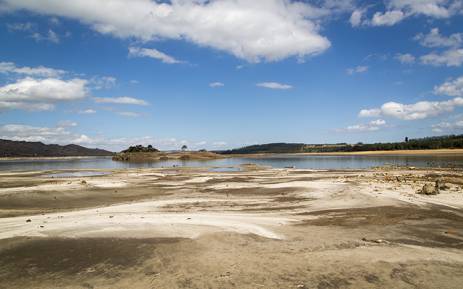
x=258 y=228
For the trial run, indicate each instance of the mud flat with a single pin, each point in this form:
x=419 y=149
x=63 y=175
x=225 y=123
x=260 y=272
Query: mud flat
x=254 y=228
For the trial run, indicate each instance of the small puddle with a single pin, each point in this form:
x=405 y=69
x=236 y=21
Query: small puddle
x=76 y=174
x=224 y=169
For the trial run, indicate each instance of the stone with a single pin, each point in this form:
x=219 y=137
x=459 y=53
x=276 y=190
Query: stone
x=429 y=189
x=440 y=185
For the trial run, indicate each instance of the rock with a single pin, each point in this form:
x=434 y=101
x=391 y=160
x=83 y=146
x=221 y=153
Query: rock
x=440 y=185
x=429 y=189
x=377 y=241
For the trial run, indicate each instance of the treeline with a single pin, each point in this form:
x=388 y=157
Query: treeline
x=440 y=142
x=141 y=149
x=268 y=148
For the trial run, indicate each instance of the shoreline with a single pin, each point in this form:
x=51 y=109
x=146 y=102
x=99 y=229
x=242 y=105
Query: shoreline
x=436 y=152
x=50 y=158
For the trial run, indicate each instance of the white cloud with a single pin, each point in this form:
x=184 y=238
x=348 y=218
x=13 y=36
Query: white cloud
x=121 y=100
x=32 y=133
x=219 y=144
x=152 y=53
x=405 y=58
x=451 y=57
x=387 y=18
x=216 y=84
x=39 y=71
x=50 y=36
x=40 y=94
x=268 y=30
x=274 y=85
x=356 y=18
x=24 y=27
x=448 y=126
x=128 y=114
x=398 y=10
x=87 y=111
x=65 y=134
x=374 y=125
x=67 y=123
x=374 y=112
x=435 y=39
x=431 y=8
x=104 y=82
x=357 y=69
x=419 y=110
x=450 y=88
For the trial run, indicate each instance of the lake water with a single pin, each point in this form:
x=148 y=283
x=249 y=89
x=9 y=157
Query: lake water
x=278 y=161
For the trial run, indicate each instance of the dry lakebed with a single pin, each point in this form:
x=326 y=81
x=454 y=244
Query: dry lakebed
x=254 y=228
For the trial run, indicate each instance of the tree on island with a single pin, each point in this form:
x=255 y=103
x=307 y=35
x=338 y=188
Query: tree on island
x=184 y=148
x=141 y=149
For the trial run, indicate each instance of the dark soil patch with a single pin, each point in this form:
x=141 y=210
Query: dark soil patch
x=72 y=256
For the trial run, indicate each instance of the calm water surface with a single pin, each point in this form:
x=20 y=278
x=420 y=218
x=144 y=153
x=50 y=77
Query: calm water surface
x=280 y=161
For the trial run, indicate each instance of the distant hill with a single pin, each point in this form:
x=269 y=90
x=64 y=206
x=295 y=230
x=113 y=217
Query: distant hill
x=439 y=142
x=10 y=148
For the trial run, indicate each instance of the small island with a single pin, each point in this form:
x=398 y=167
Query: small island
x=140 y=153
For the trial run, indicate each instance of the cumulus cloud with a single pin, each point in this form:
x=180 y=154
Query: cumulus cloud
x=268 y=30
x=356 y=18
x=451 y=88
x=387 y=18
x=431 y=8
x=32 y=133
x=419 y=110
x=357 y=69
x=121 y=100
x=373 y=112
x=219 y=144
x=87 y=111
x=216 y=84
x=451 y=57
x=40 y=94
x=274 y=85
x=67 y=123
x=398 y=10
x=374 y=125
x=128 y=114
x=50 y=36
x=435 y=39
x=65 y=133
x=405 y=58
x=103 y=82
x=24 y=27
x=39 y=71
x=152 y=53
x=448 y=126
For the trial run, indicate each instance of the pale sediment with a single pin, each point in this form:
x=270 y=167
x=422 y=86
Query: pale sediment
x=191 y=228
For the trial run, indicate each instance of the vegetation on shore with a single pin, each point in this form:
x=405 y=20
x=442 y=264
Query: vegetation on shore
x=140 y=153
x=428 y=143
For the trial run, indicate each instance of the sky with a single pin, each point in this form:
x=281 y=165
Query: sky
x=223 y=74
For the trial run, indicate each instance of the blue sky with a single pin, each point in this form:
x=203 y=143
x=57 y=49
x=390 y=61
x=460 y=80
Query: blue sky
x=227 y=73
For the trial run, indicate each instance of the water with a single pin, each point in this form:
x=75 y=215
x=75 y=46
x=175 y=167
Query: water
x=276 y=161
x=76 y=174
